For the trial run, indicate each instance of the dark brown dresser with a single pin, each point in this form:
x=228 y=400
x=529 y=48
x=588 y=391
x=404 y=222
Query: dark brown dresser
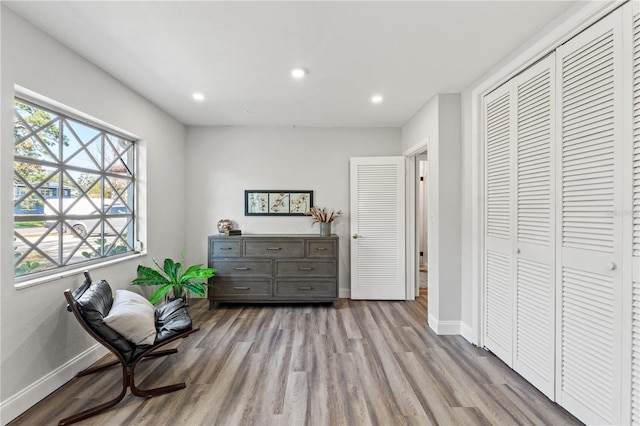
x=273 y=269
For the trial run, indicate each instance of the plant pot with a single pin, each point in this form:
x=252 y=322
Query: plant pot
x=325 y=229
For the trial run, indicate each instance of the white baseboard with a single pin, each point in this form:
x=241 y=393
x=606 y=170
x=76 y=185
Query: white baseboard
x=444 y=327
x=467 y=332
x=32 y=394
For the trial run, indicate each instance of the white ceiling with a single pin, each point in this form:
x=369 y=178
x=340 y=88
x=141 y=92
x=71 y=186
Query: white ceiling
x=239 y=54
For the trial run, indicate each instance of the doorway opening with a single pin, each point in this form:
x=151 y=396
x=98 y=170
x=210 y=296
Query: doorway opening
x=422 y=220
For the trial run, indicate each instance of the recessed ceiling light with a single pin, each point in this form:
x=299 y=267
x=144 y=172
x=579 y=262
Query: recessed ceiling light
x=198 y=96
x=376 y=99
x=299 y=72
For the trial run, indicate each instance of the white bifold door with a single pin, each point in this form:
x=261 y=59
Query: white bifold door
x=520 y=255
x=589 y=237
x=554 y=163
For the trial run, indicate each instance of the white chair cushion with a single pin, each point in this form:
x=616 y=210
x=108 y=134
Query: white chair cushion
x=133 y=317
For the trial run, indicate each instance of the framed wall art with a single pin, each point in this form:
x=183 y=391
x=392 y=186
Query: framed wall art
x=277 y=203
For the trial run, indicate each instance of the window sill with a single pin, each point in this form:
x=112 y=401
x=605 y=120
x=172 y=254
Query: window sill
x=74 y=271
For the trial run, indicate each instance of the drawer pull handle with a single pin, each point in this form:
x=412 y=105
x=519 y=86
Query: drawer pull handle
x=305 y=268
x=242 y=288
x=225 y=248
x=305 y=288
x=273 y=248
x=241 y=269
x=321 y=248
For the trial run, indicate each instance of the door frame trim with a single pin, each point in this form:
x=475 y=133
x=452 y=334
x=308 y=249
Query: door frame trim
x=413 y=251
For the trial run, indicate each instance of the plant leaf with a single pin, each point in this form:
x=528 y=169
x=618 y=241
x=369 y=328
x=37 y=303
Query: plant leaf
x=170 y=269
x=149 y=276
x=196 y=288
x=160 y=293
x=155 y=262
x=196 y=272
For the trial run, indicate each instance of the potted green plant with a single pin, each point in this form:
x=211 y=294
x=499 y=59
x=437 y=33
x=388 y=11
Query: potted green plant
x=172 y=277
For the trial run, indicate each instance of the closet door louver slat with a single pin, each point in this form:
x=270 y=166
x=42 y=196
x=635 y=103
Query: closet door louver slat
x=534 y=171
x=635 y=377
x=498 y=168
x=498 y=321
x=582 y=163
x=587 y=370
x=635 y=391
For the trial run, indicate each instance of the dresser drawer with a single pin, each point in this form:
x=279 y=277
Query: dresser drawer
x=301 y=289
x=222 y=248
x=241 y=267
x=240 y=289
x=305 y=268
x=321 y=248
x=274 y=248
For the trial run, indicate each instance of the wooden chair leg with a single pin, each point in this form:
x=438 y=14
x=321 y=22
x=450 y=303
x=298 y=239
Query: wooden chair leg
x=148 y=393
x=110 y=364
x=98 y=368
x=102 y=407
x=162 y=353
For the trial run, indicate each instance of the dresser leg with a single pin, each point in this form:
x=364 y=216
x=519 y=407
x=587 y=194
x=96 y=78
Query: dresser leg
x=213 y=304
x=335 y=304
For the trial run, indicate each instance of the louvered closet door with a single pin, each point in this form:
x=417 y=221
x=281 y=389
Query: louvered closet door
x=635 y=404
x=534 y=304
x=589 y=240
x=499 y=288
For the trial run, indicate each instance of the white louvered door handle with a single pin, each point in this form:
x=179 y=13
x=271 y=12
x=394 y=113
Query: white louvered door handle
x=517 y=251
x=611 y=265
x=354 y=236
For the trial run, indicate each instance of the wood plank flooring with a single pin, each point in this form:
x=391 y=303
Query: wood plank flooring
x=365 y=363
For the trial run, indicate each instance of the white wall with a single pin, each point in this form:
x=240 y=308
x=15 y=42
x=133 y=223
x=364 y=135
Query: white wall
x=39 y=338
x=438 y=124
x=470 y=245
x=446 y=167
x=223 y=162
x=422 y=127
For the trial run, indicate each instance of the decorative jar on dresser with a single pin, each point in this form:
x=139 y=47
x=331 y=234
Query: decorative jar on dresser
x=273 y=268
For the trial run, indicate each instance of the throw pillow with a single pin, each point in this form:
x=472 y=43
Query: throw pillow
x=133 y=317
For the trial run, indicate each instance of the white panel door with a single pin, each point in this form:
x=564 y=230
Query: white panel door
x=378 y=228
x=590 y=234
x=534 y=304
x=499 y=251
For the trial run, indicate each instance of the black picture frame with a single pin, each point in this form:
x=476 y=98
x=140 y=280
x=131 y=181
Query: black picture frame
x=269 y=202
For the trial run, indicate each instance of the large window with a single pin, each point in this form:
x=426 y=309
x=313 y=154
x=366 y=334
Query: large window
x=74 y=188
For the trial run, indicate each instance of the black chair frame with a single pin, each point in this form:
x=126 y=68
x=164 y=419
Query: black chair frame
x=128 y=367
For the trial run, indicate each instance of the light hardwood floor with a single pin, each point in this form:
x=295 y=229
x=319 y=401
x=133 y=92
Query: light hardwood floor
x=365 y=363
